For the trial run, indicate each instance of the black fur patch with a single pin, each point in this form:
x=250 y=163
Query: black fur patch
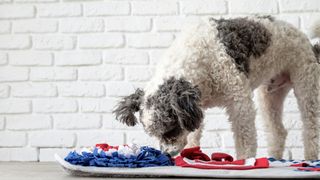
x=127 y=107
x=176 y=106
x=243 y=38
x=316 y=50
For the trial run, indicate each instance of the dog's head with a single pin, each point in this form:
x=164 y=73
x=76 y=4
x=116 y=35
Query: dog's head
x=169 y=114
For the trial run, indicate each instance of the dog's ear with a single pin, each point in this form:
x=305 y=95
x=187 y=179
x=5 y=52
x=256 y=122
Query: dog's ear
x=185 y=103
x=126 y=108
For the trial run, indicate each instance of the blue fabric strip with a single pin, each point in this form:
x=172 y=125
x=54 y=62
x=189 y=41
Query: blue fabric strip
x=148 y=157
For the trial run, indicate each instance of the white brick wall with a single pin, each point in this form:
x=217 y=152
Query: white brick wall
x=64 y=64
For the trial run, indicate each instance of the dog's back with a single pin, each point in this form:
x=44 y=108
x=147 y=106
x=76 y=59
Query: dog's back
x=289 y=49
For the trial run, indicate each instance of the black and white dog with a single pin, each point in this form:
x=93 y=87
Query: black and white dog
x=218 y=63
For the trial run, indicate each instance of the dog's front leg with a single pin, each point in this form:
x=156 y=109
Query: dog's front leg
x=242 y=117
x=194 y=137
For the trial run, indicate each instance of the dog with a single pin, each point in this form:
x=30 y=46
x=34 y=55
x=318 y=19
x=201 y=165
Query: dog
x=218 y=63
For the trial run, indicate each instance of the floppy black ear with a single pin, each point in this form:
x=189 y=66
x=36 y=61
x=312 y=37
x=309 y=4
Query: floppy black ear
x=186 y=104
x=126 y=108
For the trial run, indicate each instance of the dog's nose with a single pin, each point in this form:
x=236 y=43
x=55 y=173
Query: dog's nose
x=173 y=153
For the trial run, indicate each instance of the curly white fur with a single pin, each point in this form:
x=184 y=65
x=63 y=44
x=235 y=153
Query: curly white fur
x=200 y=57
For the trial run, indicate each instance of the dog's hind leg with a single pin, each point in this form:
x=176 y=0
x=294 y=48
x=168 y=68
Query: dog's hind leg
x=306 y=89
x=271 y=105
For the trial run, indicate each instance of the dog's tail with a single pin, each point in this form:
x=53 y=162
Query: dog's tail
x=316 y=50
x=315 y=33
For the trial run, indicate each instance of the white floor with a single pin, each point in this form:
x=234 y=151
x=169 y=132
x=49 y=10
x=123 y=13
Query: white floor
x=40 y=171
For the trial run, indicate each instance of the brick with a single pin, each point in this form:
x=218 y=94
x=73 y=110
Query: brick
x=78 y=58
x=81 y=25
x=263 y=152
x=4 y=91
x=53 y=74
x=110 y=122
x=9 y=74
x=47 y=154
x=292 y=121
x=90 y=138
x=139 y=73
x=30 y=58
x=308 y=20
x=294 y=20
x=140 y=137
x=35 y=26
x=295 y=153
x=16 y=11
x=216 y=122
x=55 y=105
x=227 y=139
x=150 y=40
x=140 y=85
x=299 y=5
x=119 y=88
x=169 y=23
x=2 y=122
x=128 y=24
x=262 y=139
x=81 y=89
x=291 y=94
x=59 y=10
x=18 y=154
x=35 y=1
x=259 y=122
x=104 y=105
x=107 y=9
x=290 y=105
x=3 y=59
x=101 y=41
x=156 y=56
x=294 y=139
x=75 y=121
x=14 y=106
x=79 y=0
x=12 y=139
x=28 y=122
x=11 y=42
x=33 y=90
x=154 y=8
x=211 y=140
x=126 y=57
x=5 y=27
x=53 y=42
x=204 y=7
x=253 y=6
x=51 y=139
x=101 y=73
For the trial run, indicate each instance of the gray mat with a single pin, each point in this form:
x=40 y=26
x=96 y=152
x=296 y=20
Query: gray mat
x=174 y=171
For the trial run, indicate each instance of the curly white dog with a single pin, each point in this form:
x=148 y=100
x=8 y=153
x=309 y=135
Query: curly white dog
x=218 y=63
